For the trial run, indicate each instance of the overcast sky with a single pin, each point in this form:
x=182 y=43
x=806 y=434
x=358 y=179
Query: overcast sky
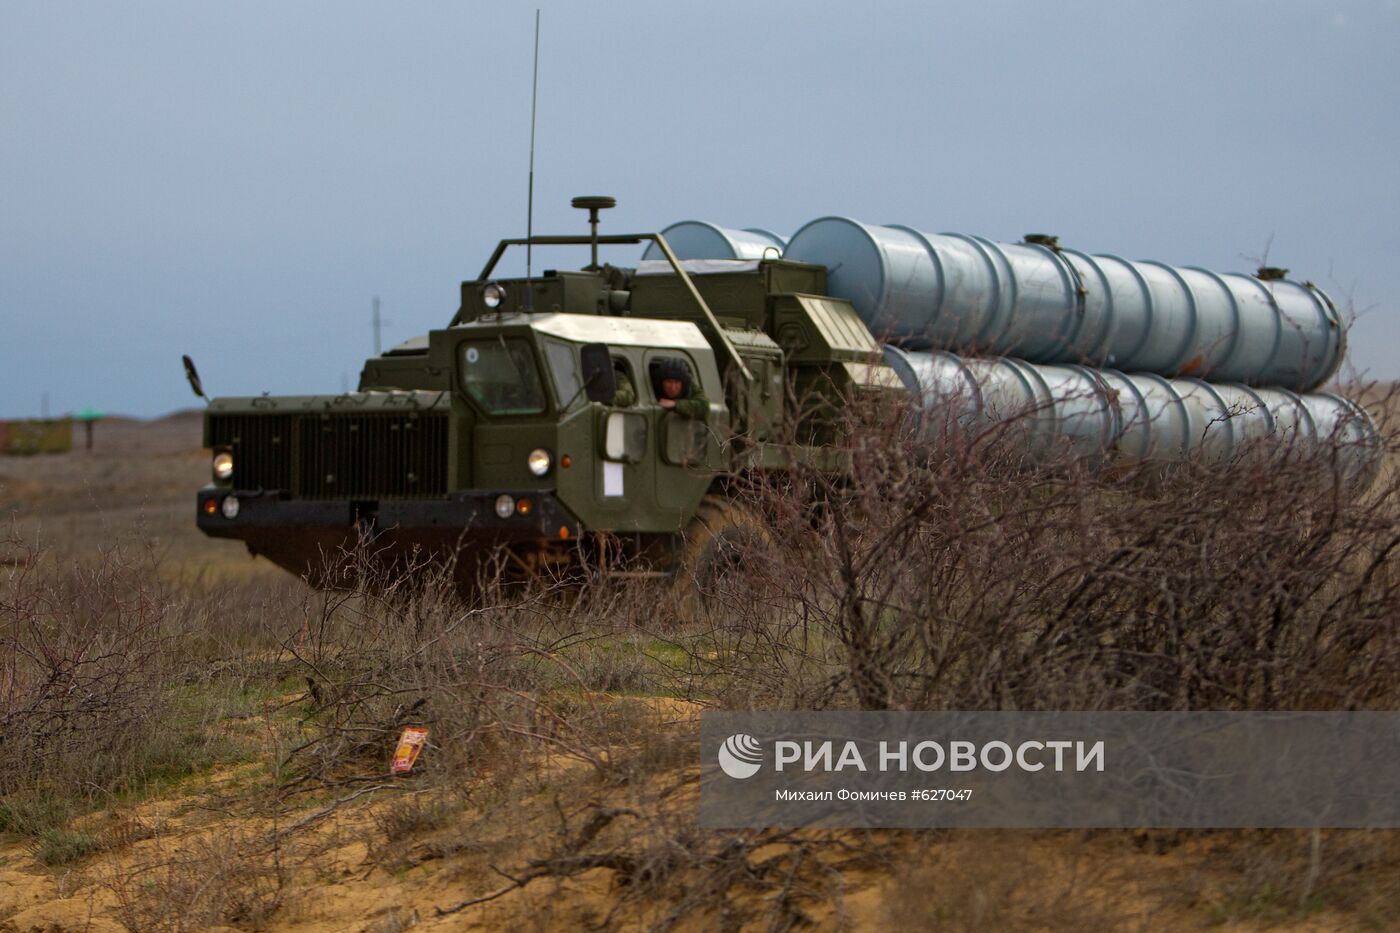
x=237 y=180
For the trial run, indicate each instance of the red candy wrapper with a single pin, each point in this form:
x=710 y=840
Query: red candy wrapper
x=410 y=744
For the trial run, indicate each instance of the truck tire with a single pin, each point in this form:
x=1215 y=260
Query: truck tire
x=721 y=558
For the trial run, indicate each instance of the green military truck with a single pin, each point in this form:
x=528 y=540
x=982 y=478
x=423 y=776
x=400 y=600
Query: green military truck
x=536 y=432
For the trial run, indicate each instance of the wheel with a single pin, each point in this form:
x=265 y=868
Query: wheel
x=721 y=561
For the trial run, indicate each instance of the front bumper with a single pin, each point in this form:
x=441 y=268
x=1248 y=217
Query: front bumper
x=460 y=519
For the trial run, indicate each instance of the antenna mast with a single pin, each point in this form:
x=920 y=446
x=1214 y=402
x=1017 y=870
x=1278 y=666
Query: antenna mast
x=374 y=323
x=530 y=197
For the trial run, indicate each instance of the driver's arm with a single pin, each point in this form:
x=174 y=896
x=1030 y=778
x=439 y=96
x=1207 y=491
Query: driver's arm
x=695 y=406
x=626 y=395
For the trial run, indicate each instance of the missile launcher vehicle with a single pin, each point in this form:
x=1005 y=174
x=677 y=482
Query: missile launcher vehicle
x=594 y=417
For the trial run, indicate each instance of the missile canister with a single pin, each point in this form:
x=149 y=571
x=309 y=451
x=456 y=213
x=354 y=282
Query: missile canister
x=696 y=239
x=1103 y=412
x=1045 y=304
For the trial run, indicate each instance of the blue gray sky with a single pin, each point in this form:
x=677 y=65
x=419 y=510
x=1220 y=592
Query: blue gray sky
x=237 y=181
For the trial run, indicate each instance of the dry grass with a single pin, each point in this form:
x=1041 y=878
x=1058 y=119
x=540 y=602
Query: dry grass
x=558 y=788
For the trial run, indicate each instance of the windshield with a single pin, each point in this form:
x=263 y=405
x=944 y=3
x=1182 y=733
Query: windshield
x=500 y=375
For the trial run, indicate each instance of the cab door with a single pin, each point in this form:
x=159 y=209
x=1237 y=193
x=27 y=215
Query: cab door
x=624 y=459
x=686 y=450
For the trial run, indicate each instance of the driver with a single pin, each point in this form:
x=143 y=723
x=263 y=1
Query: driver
x=625 y=396
x=676 y=391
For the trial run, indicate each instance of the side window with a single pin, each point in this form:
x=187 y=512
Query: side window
x=685 y=435
x=685 y=440
x=563 y=368
x=628 y=392
x=622 y=436
x=664 y=367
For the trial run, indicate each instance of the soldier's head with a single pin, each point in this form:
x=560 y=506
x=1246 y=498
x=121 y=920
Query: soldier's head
x=671 y=378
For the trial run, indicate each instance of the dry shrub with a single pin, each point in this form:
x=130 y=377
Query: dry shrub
x=1274 y=876
x=218 y=879
x=554 y=718
x=394 y=920
x=56 y=846
x=958 y=577
x=412 y=816
x=419 y=827
x=985 y=881
x=518 y=673
x=85 y=656
x=964 y=576
x=112 y=678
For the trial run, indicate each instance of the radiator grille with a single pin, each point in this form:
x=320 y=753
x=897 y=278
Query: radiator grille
x=262 y=448
x=364 y=455
x=373 y=456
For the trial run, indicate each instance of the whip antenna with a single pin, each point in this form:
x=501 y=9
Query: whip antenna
x=530 y=196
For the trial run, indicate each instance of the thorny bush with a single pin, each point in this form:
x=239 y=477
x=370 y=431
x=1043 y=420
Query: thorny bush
x=964 y=576
x=84 y=658
x=923 y=577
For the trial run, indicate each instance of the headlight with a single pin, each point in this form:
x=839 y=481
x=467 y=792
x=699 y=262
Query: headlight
x=493 y=295
x=223 y=465
x=505 y=506
x=229 y=507
x=539 y=461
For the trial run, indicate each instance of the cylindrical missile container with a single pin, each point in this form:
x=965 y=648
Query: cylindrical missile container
x=1045 y=304
x=696 y=239
x=1103 y=412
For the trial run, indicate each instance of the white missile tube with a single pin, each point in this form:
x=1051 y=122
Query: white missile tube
x=1106 y=413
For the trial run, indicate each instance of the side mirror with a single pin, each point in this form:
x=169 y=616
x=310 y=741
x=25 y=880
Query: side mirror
x=192 y=375
x=599 y=380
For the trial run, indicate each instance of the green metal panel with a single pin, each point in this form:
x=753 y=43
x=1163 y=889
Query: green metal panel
x=330 y=451
x=786 y=277
x=575 y=483
x=816 y=329
x=738 y=299
x=460 y=439
x=396 y=401
x=575 y=292
x=757 y=406
x=402 y=371
x=499 y=449
x=684 y=440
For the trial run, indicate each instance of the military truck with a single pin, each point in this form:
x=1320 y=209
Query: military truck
x=598 y=418
x=504 y=436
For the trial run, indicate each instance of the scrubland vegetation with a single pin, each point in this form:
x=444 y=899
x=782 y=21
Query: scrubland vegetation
x=192 y=739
